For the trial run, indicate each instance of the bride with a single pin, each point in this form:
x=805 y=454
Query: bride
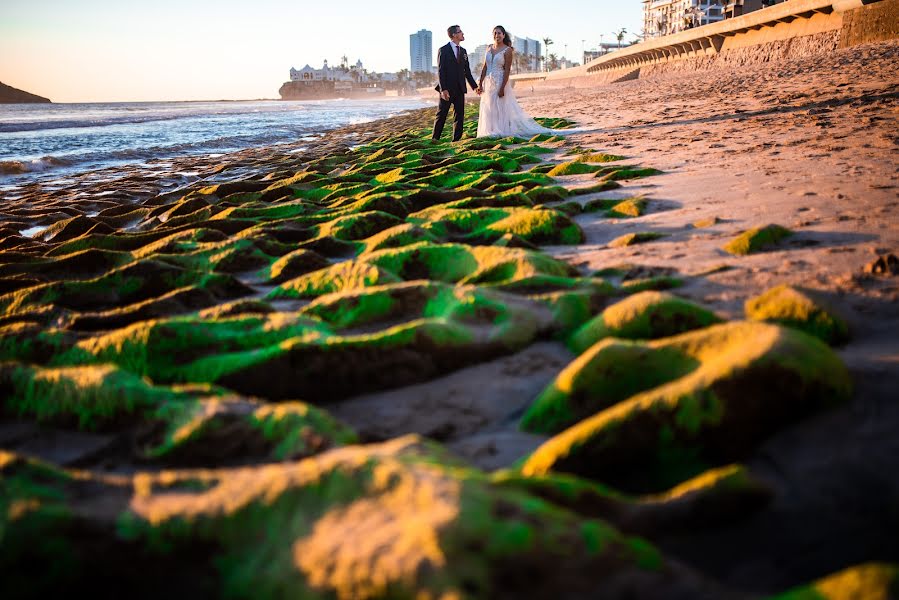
x=500 y=114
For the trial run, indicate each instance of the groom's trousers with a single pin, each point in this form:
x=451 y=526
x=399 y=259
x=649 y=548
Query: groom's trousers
x=457 y=101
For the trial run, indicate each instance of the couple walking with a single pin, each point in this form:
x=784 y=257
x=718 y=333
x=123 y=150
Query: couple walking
x=500 y=114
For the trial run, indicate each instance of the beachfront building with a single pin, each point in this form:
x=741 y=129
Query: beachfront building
x=476 y=59
x=348 y=81
x=326 y=73
x=530 y=50
x=735 y=8
x=526 y=48
x=421 y=57
x=344 y=73
x=664 y=17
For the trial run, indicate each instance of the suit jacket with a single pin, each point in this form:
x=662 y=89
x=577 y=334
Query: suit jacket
x=452 y=73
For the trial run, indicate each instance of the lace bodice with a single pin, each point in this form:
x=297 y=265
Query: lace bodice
x=496 y=62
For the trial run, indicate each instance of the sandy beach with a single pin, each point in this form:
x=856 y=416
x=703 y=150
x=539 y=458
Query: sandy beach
x=811 y=145
x=361 y=367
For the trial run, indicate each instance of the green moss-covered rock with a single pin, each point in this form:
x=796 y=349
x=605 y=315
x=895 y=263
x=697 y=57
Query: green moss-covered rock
x=618 y=173
x=136 y=282
x=719 y=401
x=801 y=309
x=400 y=235
x=422 y=526
x=645 y=315
x=574 y=167
x=872 y=581
x=639 y=237
x=88 y=397
x=294 y=264
x=629 y=208
x=718 y=496
x=757 y=240
x=707 y=222
x=449 y=263
x=600 y=378
x=216 y=430
x=196 y=425
x=598 y=157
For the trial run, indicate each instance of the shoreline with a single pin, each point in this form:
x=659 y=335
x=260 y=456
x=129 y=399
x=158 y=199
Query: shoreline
x=376 y=285
x=158 y=167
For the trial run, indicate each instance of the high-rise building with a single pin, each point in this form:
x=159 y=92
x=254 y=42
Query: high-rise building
x=476 y=60
x=421 y=55
x=530 y=50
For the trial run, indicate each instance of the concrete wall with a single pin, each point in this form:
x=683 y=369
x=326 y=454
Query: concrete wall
x=813 y=25
x=783 y=49
x=788 y=30
x=872 y=23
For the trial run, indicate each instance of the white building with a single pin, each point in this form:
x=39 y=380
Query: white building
x=530 y=49
x=344 y=76
x=523 y=47
x=664 y=17
x=421 y=57
x=476 y=60
x=326 y=73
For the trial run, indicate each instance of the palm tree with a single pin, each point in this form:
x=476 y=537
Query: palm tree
x=553 y=62
x=343 y=63
x=620 y=35
x=521 y=62
x=547 y=42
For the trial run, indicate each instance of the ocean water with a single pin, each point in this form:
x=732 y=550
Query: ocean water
x=46 y=141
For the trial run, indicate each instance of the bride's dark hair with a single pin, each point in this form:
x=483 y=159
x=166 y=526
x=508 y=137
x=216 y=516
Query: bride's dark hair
x=506 y=39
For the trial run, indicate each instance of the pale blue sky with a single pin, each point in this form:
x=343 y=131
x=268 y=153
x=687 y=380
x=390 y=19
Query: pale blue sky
x=105 y=50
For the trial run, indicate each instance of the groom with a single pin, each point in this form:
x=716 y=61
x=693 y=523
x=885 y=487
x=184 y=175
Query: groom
x=453 y=70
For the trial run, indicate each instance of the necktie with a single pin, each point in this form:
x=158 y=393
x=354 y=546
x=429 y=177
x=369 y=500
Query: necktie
x=456 y=48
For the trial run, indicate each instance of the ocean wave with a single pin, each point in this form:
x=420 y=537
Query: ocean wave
x=20 y=126
x=197 y=130
x=18 y=167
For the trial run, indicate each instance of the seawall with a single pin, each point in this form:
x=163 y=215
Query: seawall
x=784 y=31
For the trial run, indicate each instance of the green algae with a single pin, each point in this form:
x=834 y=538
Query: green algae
x=574 y=167
x=639 y=237
x=211 y=429
x=645 y=315
x=801 y=309
x=714 y=412
x=607 y=374
x=93 y=396
x=757 y=240
x=598 y=157
x=439 y=514
x=34 y=517
x=621 y=172
x=629 y=208
x=873 y=581
x=448 y=263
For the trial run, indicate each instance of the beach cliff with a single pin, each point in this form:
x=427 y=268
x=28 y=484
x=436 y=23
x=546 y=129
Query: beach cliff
x=11 y=95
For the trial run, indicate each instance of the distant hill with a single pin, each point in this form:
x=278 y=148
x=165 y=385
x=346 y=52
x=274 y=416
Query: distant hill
x=10 y=95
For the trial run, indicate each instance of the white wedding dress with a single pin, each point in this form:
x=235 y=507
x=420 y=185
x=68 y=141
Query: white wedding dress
x=501 y=117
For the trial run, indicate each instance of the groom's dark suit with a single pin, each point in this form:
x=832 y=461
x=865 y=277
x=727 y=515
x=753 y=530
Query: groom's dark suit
x=452 y=73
